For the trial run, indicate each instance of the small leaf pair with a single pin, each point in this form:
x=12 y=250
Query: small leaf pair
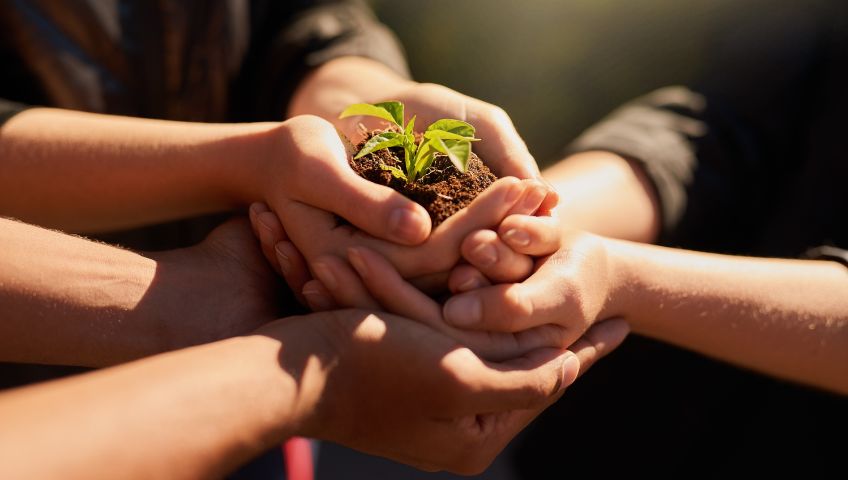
x=446 y=136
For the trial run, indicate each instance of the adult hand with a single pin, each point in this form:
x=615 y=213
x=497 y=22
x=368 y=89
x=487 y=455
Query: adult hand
x=392 y=387
x=306 y=162
x=318 y=234
x=347 y=80
x=217 y=289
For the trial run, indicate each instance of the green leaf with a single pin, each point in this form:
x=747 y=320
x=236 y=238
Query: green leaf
x=396 y=172
x=423 y=159
x=458 y=151
x=445 y=135
x=395 y=109
x=381 y=141
x=453 y=126
x=410 y=126
x=369 y=110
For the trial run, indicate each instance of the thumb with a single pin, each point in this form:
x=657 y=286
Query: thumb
x=376 y=209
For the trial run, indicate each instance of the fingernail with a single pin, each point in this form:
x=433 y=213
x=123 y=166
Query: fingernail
x=463 y=310
x=570 y=369
x=472 y=283
x=283 y=259
x=358 y=262
x=408 y=225
x=534 y=198
x=325 y=274
x=264 y=233
x=515 y=191
x=485 y=255
x=317 y=300
x=516 y=237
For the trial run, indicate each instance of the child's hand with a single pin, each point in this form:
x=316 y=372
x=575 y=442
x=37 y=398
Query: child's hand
x=570 y=288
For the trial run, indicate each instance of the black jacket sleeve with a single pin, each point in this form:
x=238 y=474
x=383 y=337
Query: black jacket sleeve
x=291 y=38
x=721 y=151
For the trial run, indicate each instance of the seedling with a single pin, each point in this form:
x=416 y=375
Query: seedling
x=446 y=136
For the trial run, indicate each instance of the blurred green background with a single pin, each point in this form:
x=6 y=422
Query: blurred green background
x=557 y=66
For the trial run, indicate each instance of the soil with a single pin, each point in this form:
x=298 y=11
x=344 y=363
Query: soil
x=443 y=191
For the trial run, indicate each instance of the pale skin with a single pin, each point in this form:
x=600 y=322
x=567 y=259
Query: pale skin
x=201 y=411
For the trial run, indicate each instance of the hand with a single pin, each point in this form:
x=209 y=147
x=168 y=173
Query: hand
x=392 y=387
x=223 y=286
x=347 y=80
x=306 y=163
x=376 y=285
x=317 y=234
x=571 y=288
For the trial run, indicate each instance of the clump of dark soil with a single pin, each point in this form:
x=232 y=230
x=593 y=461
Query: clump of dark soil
x=442 y=191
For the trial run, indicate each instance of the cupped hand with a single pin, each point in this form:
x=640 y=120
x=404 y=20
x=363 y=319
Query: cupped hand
x=500 y=147
x=393 y=387
x=307 y=163
x=317 y=234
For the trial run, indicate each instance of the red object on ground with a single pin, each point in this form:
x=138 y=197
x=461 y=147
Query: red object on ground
x=298 y=456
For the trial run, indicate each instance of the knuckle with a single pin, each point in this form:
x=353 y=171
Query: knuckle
x=520 y=306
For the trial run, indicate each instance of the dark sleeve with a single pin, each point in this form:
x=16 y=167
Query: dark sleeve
x=290 y=38
x=718 y=151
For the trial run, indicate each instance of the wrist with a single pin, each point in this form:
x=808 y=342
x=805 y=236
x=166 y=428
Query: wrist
x=622 y=274
x=243 y=156
x=309 y=349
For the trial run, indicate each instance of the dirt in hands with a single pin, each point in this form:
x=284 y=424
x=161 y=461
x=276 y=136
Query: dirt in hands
x=442 y=190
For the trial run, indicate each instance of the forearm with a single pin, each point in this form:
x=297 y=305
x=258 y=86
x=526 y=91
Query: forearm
x=603 y=193
x=786 y=318
x=194 y=413
x=87 y=172
x=67 y=300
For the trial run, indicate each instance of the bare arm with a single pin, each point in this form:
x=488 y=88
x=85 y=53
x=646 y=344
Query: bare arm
x=199 y=412
x=195 y=413
x=68 y=300
x=87 y=172
x=787 y=318
x=604 y=193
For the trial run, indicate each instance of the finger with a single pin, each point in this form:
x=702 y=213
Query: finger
x=401 y=298
x=529 y=381
x=318 y=298
x=494 y=259
x=536 y=236
x=601 y=339
x=293 y=268
x=264 y=231
x=486 y=211
x=551 y=201
x=536 y=192
x=343 y=284
x=318 y=231
x=464 y=278
x=515 y=307
x=325 y=180
x=391 y=291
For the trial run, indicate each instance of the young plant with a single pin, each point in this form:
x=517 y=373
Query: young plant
x=446 y=136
